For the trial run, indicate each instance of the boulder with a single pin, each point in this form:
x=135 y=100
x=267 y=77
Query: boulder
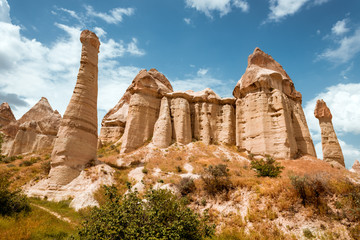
x=330 y=145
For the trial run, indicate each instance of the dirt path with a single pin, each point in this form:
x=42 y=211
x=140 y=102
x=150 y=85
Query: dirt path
x=65 y=219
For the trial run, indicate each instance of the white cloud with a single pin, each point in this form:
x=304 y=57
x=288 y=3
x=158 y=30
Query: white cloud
x=71 y=13
x=30 y=69
x=99 y=32
x=347 y=48
x=114 y=16
x=243 y=5
x=343 y=101
x=133 y=49
x=280 y=9
x=4 y=11
x=340 y=28
x=187 y=20
x=222 y=6
x=202 y=71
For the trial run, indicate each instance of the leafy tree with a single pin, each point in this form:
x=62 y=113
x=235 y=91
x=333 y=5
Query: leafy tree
x=159 y=215
x=267 y=168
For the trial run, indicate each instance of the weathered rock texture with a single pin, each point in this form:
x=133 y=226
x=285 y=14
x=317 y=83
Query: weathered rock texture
x=6 y=115
x=269 y=116
x=76 y=142
x=35 y=131
x=265 y=117
x=330 y=145
x=356 y=167
x=146 y=91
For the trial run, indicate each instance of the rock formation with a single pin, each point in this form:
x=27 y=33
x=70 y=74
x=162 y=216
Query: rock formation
x=330 y=145
x=35 y=131
x=265 y=117
x=356 y=167
x=113 y=123
x=147 y=90
x=269 y=116
x=76 y=142
x=6 y=115
x=163 y=127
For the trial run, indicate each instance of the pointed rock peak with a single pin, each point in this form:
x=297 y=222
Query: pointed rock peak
x=321 y=110
x=6 y=115
x=356 y=167
x=264 y=73
x=152 y=82
x=39 y=111
x=263 y=60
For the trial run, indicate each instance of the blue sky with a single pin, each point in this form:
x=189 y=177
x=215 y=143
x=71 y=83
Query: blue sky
x=195 y=43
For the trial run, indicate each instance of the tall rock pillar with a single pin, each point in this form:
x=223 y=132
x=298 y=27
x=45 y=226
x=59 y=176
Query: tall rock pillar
x=330 y=145
x=76 y=142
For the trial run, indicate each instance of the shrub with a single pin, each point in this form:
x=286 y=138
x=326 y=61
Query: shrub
x=267 y=168
x=45 y=167
x=309 y=189
x=11 y=202
x=186 y=186
x=307 y=233
x=160 y=215
x=216 y=179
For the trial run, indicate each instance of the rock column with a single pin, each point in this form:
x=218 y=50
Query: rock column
x=330 y=145
x=76 y=142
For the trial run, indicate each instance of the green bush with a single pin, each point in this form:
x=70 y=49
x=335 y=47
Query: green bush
x=11 y=202
x=216 y=179
x=159 y=215
x=267 y=168
x=186 y=186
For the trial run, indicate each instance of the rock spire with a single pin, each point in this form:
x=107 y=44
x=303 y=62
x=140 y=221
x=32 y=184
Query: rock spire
x=76 y=142
x=330 y=145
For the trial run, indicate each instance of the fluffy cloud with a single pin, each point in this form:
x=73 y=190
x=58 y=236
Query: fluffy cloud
x=222 y=6
x=114 y=16
x=343 y=100
x=279 y=9
x=4 y=11
x=340 y=28
x=30 y=69
x=347 y=48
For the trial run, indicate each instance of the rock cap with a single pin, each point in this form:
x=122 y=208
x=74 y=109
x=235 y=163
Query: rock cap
x=322 y=111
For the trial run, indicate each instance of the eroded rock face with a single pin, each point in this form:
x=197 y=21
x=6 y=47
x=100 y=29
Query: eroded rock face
x=6 y=115
x=76 y=142
x=269 y=116
x=356 y=167
x=330 y=145
x=146 y=91
x=37 y=129
x=163 y=127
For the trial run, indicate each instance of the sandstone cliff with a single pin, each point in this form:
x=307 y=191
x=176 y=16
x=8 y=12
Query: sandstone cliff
x=355 y=167
x=330 y=145
x=269 y=115
x=6 y=115
x=35 y=131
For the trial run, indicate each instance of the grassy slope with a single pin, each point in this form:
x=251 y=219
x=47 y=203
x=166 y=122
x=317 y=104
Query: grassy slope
x=273 y=208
